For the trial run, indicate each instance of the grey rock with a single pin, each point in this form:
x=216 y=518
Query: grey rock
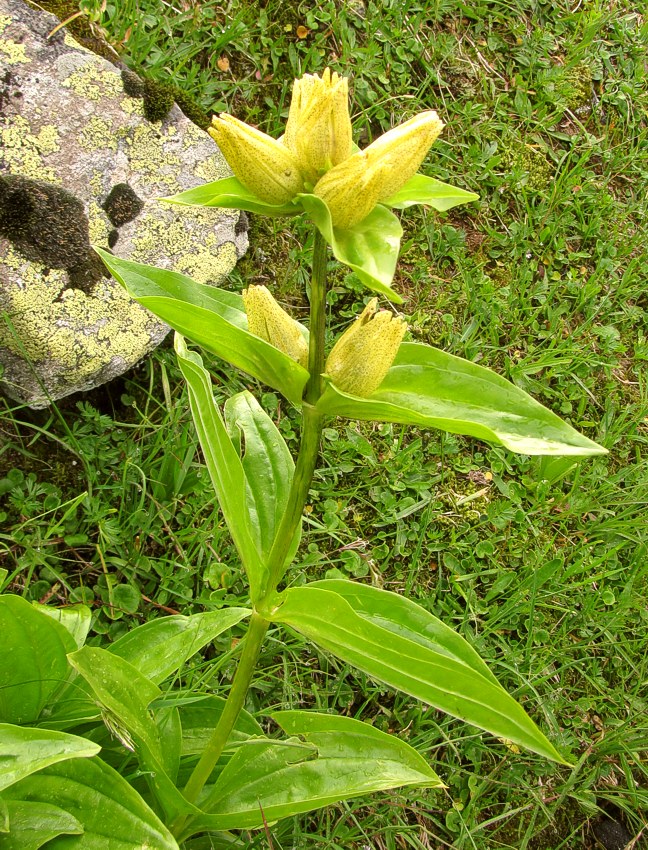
x=80 y=165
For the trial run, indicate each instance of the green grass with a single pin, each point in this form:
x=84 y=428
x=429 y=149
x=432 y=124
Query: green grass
x=540 y=562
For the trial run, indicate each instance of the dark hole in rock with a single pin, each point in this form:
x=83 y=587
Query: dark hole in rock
x=122 y=204
x=48 y=225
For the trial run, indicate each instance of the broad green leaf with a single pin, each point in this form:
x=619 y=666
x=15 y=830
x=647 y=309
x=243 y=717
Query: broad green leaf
x=199 y=720
x=216 y=841
x=224 y=464
x=433 y=193
x=160 y=647
x=332 y=759
x=370 y=248
x=126 y=695
x=400 y=615
x=34 y=824
x=24 y=750
x=268 y=467
x=231 y=194
x=36 y=669
x=430 y=388
x=75 y=618
x=4 y=817
x=212 y=318
x=169 y=728
x=414 y=667
x=111 y=812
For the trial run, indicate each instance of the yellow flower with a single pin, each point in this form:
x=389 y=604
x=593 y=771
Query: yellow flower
x=403 y=149
x=362 y=356
x=318 y=131
x=353 y=188
x=262 y=164
x=266 y=319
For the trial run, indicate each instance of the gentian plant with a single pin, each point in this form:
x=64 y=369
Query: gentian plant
x=209 y=769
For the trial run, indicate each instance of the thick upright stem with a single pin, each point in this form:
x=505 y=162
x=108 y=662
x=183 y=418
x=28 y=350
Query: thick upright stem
x=231 y=710
x=303 y=475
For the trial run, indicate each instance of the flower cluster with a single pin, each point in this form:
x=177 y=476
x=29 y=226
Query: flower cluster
x=316 y=153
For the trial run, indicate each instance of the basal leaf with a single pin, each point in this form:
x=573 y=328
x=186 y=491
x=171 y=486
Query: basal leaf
x=34 y=824
x=430 y=388
x=160 y=647
x=111 y=812
x=24 y=750
x=36 y=669
x=414 y=666
x=75 y=618
x=332 y=759
x=126 y=696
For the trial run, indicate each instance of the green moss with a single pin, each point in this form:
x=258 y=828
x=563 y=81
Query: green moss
x=192 y=109
x=518 y=156
x=158 y=100
x=122 y=204
x=81 y=27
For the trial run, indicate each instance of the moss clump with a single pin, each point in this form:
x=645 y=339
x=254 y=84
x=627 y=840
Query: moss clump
x=133 y=85
x=81 y=27
x=192 y=110
x=122 y=204
x=518 y=156
x=159 y=99
x=48 y=225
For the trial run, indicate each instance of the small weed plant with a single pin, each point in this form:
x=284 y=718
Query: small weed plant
x=100 y=755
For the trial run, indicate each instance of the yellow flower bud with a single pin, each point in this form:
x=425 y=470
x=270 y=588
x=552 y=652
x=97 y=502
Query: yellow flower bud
x=351 y=190
x=266 y=319
x=354 y=187
x=262 y=164
x=403 y=149
x=318 y=131
x=361 y=357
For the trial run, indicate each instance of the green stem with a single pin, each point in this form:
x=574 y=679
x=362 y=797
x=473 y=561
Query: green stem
x=303 y=475
x=311 y=421
x=235 y=701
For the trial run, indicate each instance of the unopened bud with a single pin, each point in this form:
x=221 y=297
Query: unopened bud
x=262 y=164
x=351 y=190
x=354 y=187
x=266 y=319
x=318 y=131
x=403 y=149
x=362 y=356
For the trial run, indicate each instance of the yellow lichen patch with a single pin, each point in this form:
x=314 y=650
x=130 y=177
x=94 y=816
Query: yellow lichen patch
x=13 y=53
x=22 y=150
x=207 y=262
x=210 y=263
x=193 y=135
x=98 y=225
x=80 y=333
x=132 y=105
x=70 y=41
x=212 y=168
x=98 y=133
x=94 y=83
x=148 y=157
x=5 y=20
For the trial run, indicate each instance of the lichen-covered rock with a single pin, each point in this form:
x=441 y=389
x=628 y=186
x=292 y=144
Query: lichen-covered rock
x=80 y=165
